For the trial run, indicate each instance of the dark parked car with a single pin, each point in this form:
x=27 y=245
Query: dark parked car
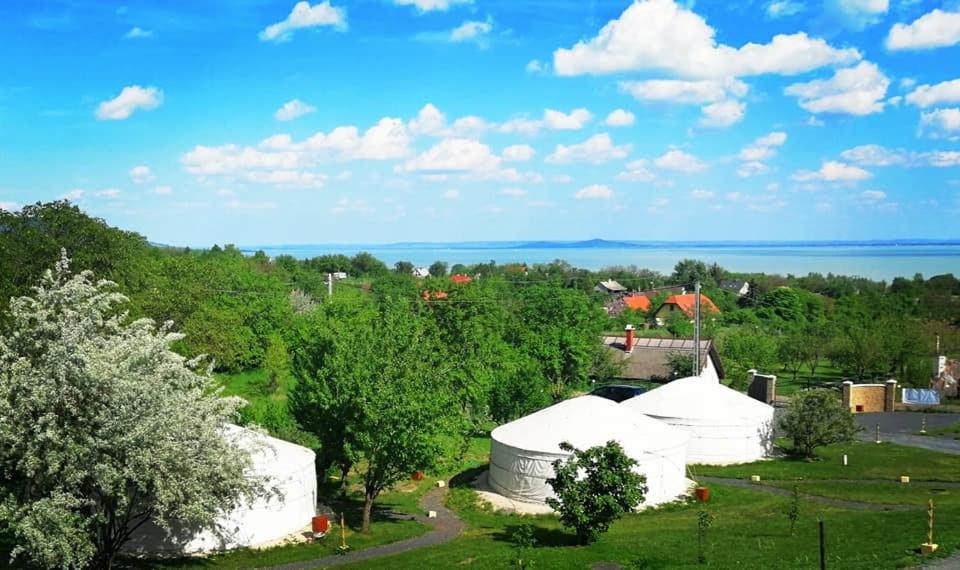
x=618 y=392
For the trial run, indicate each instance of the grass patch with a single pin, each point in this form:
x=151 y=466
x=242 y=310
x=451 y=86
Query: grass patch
x=750 y=531
x=879 y=493
x=866 y=460
x=952 y=430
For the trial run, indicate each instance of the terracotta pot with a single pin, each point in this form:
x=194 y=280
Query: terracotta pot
x=702 y=494
x=417 y=476
x=320 y=524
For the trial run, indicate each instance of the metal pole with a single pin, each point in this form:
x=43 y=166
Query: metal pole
x=696 y=329
x=329 y=285
x=823 y=549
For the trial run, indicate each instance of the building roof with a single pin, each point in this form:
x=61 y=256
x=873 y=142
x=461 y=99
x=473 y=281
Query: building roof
x=700 y=400
x=637 y=302
x=650 y=359
x=433 y=295
x=733 y=284
x=587 y=421
x=612 y=286
x=461 y=279
x=686 y=303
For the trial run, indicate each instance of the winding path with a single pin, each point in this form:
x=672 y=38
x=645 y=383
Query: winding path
x=446 y=527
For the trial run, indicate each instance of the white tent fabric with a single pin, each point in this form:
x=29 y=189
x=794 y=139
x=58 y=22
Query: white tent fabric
x=726 y=426
x=522 y=452
x=289 y=470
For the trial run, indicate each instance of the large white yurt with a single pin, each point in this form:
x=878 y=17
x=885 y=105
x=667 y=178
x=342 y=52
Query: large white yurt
x=726 y=426
x=522 y=452
x=291 y=476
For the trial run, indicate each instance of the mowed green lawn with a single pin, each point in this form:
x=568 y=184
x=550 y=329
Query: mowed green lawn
x=750 y=529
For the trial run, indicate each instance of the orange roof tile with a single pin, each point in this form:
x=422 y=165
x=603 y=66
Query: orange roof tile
x=686 y=303
x=637 y=302
x=461 y=279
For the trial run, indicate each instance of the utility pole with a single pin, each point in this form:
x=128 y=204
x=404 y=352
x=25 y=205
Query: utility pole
x=696 y=328
x=329 y=285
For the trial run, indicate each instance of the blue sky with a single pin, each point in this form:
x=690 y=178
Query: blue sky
x=269 y=122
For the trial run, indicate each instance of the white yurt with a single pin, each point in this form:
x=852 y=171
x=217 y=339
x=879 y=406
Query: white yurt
x=522 y=452
x=288 y=470
x=726 y=426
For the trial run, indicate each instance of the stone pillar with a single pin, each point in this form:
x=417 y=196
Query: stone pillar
x=771 y=388
x=847 y=389
x=889 y=395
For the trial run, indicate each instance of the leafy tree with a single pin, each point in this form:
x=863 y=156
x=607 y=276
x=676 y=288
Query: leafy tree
x=276 y=361
x=365 y=264
x=687 y=271
x=678 y=324
x=560 y=329
x=594 y=488
x=793 y=351
x=783 y=303
x=438 y=269
x=681 y=365
x=103 y=428
x=743 y=349
x=816 y=418
x=403 y=267
x=381 y=376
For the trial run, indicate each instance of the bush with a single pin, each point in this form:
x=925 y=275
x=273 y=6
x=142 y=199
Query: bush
x=816 y=418
x=594 y=488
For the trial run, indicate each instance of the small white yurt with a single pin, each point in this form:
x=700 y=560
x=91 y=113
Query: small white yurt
x=522 y=452
x=726 y=426
x=290 y=473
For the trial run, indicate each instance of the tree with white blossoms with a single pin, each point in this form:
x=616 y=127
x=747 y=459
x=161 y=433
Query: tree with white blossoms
x=103 y=428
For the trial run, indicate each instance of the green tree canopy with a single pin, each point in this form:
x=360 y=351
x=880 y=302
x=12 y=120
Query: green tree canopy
x=103 y=428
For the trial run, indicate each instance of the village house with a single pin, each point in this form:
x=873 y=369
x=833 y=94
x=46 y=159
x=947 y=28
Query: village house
x=610 y=287
x=684 y=303
x=421 y=272
x=649 y=358
x=738 y=286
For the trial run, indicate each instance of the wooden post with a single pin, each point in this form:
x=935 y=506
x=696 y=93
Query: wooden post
x=823 y=549
x=930 y=523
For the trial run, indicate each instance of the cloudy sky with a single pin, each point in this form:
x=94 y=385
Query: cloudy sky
x=270 y=121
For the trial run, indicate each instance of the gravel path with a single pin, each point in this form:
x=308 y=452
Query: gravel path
x=841 y=503
x=446 y=527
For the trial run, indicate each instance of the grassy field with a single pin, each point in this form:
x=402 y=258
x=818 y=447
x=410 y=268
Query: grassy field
x=878 y=493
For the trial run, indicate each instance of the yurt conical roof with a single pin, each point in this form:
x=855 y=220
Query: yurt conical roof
x=698 y=399
x=587 y=421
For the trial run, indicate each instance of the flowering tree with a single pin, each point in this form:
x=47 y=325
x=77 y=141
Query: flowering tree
x=103 y=428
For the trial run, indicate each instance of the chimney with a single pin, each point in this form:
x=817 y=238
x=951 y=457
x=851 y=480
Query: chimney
x=628 y=345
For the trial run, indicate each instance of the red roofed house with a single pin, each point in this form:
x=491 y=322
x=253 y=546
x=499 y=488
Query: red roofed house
x=637 y=302
x=686 y=304
x=461 y=279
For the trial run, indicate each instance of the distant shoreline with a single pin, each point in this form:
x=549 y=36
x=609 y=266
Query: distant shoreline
x=615 y=244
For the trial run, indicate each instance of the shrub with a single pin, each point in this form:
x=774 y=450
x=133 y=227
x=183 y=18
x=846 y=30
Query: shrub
x=816 y=418
x=595 y=487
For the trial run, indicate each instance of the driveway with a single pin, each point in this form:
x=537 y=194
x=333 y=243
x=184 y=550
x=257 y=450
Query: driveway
x=901 y=427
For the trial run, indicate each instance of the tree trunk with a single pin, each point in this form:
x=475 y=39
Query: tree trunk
x=367 y=510
x=344 y=472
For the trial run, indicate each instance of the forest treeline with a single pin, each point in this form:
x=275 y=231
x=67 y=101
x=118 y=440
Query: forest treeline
x=524 y=334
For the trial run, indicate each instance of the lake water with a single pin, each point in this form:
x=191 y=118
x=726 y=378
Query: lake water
x=873 y=260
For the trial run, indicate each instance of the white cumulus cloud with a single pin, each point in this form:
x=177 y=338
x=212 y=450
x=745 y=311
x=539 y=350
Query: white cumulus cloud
x=620 y=118
x=941 y=123
x=664 y=35
x=471 y=31
x=137 y=33
x=873 y=155
x=572 y=121
x=932 y=30
x=679 y=161
x=518 y=153
x=833 y=171
x=685 y=91
x=141 y=174
x=594 y=192
x=293 y=109
x=722 y=113
x=304 y=16
x=130 y=99
x=595 y=150
x=454 y=155
x=431 y=5
x=929 y=95
x=856 y=90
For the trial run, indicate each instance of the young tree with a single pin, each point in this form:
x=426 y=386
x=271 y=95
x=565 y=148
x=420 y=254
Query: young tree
x=816 y=418
x=594 y=488
x=681 y=364
x=438 y=269
x=374 y=387
x=103 y=427
x=276 y=361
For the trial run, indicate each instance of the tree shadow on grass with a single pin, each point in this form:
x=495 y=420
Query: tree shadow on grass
x=544 y=537
x=466 y=478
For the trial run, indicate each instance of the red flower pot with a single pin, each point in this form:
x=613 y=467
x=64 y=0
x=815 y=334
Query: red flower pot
x=320 y=524
x=702 y=494
x=417 y=476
